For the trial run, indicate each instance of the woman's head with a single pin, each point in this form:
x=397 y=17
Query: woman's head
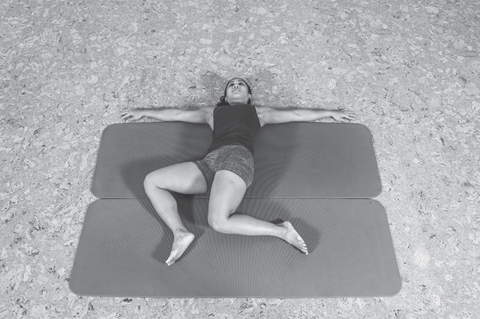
x=237 y=91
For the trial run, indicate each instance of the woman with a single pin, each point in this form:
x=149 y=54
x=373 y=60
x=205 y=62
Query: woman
x=227 y=170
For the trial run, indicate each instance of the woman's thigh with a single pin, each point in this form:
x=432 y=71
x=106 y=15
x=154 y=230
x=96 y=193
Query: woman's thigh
x=184 y=178
x=227 y=193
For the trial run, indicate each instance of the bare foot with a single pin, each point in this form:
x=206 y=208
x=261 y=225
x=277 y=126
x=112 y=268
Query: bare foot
x=181 y=241
x=293 y=238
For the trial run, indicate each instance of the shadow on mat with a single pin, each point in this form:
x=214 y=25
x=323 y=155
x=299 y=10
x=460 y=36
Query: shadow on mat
x=273 y=211
x=270 y=167
x=197 y=223
x=282 y=141
x=193 y=213
x=134 y=173
x=275 y=148
x=182 y=142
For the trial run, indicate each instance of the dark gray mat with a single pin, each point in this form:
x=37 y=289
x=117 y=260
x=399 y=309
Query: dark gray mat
x=293 y=160
x=123 y=247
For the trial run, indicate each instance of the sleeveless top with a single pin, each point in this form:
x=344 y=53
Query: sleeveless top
x=234 y=124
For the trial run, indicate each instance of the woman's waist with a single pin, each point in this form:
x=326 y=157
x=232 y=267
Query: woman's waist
x=248 y=145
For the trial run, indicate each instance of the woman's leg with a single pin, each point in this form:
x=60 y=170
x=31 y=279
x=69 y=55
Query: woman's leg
x=185 y=178
x=226 y=194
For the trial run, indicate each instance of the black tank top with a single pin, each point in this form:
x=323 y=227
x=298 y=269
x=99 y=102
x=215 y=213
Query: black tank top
x=234 y=124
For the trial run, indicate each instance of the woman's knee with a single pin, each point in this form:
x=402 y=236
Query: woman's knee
x=153 y=179
x=219 y=224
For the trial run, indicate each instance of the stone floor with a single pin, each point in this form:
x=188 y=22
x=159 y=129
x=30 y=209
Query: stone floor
x=409 y=69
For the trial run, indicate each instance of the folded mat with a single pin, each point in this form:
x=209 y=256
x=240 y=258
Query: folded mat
x=292 y=160
x=123 y=247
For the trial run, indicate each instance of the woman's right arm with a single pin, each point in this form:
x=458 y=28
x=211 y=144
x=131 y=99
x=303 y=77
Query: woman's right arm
x=201 y=115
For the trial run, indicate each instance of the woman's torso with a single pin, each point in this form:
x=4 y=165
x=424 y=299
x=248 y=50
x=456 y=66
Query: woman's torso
x=234 y=124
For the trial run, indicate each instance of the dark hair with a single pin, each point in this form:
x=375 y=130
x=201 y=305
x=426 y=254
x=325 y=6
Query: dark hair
x=222 y=98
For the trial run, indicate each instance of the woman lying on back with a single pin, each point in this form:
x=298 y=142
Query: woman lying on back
x=227 y=170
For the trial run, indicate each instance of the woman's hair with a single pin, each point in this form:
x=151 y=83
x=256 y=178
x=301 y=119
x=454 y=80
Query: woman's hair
x=222 y=98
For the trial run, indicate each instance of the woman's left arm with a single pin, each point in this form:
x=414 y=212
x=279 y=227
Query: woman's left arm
x=268 y=115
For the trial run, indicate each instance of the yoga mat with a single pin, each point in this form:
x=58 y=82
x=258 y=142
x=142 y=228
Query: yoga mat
x=292 y=160
x=123 y=247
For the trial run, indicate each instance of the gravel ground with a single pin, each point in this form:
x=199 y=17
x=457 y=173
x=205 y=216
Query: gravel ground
x=410 y=70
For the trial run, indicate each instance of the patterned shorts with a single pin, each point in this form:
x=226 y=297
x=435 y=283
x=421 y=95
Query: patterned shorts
x=234 y=158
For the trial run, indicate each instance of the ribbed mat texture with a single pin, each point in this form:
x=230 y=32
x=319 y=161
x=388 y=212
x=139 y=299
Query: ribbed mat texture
x=318 y=176
x=123 y=248
x=293 y=160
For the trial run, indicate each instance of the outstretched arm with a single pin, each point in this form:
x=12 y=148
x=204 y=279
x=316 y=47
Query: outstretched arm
x=203 y=115
x=268 y=115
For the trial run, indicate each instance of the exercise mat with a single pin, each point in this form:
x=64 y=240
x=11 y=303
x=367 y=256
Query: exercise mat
x=292 y=160
x=123 y=247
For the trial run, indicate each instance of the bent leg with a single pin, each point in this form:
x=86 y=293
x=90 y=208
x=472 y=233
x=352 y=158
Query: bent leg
x=183 y=178
x=226 y=194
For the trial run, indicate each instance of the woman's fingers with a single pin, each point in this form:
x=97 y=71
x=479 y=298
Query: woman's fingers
x=348 y=115
x=125 y=115
x=134 y=115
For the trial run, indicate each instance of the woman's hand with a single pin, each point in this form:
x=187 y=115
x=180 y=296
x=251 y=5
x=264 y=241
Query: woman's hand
x=133 y=115
x=342 y=115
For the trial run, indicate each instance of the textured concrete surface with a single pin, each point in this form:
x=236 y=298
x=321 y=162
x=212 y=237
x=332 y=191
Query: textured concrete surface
x=409 y=69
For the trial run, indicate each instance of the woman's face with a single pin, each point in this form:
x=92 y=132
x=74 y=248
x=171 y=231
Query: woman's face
x=237 y=92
